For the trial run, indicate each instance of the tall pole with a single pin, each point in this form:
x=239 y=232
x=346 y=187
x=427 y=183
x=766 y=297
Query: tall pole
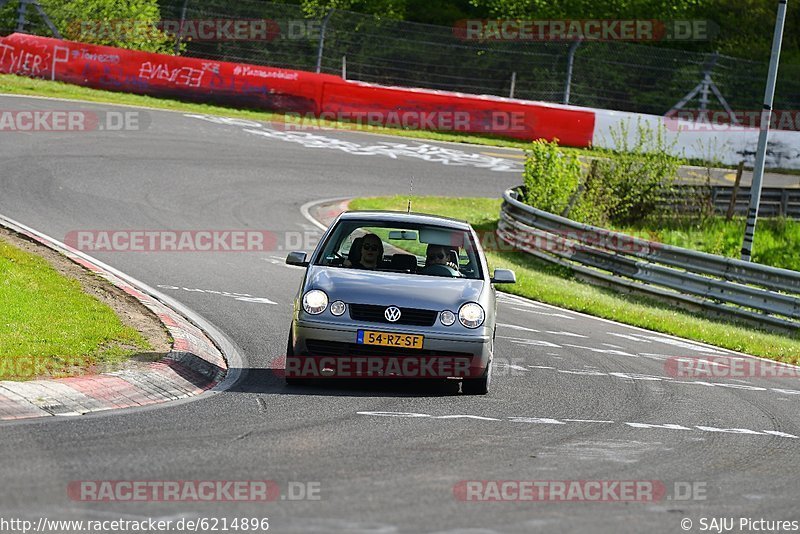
x=23 y=8
x=766 y=117
x=570 y=62
x=180 y=28
x=321 y=45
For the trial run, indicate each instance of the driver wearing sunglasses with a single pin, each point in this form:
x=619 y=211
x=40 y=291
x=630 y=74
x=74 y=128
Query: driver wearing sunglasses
x=371 y=253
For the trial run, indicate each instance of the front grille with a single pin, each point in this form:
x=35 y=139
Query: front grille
x=318 y=347
x=408 y=316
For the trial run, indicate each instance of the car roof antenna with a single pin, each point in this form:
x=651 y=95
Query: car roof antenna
x=410 y=194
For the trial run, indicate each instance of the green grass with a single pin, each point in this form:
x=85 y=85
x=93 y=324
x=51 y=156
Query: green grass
x=545 y=282
x=777 y=241
x=49 y=326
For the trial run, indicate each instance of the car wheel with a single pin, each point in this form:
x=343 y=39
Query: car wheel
x=478 y=386
x=292 y=381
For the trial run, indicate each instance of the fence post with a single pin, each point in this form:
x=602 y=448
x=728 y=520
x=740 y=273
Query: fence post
x=180 y=28
x=513 y=84
x=735 y=192
x=344 y=67
x=322 y=39
x=23 y=8
x=570 y=62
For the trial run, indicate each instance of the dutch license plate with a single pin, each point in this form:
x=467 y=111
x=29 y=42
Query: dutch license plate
x=386 y=339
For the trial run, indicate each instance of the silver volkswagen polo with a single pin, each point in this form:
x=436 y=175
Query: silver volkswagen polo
x=395 y=294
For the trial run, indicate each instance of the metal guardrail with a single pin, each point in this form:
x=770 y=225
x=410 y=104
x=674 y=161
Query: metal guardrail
x=763 y=295
x=775 y=201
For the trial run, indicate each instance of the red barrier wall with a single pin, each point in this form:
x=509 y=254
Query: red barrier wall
x=487 y=115
x=116 y=69
x=296 y=91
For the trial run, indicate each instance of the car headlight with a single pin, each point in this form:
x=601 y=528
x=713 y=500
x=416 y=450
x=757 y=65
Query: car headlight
x=315 y=302
x=447 y=317
x=338 y=307
x=471 y=315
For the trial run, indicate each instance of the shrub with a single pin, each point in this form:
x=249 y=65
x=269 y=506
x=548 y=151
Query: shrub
x=625 y=186
x=550 y=176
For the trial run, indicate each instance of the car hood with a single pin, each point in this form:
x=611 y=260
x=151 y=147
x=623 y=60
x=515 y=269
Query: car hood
x=403 y=290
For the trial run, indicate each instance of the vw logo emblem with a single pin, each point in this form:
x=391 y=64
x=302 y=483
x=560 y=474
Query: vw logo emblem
x=392 y=314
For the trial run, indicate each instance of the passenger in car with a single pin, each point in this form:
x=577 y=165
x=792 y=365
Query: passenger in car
x=440 y=255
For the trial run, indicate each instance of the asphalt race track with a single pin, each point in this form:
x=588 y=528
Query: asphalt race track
x=572 y=398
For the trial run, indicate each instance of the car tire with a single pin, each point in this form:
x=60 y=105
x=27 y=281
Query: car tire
x=478 y=386
x=292 y=381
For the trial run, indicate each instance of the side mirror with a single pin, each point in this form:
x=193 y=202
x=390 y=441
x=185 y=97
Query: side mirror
x=297 y=258
x=504 y=276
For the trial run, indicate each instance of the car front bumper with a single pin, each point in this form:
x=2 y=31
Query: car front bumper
x=333 y=347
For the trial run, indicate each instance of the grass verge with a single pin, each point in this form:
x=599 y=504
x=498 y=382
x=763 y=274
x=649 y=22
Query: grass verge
x=49 y=327
x=545 y=282
x=776 y=239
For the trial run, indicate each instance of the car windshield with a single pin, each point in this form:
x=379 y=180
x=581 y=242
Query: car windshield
x=421 y=249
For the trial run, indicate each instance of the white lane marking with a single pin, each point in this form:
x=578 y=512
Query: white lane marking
x=655 y=378
x=585 y=373
x=504 y=297
x=565 y=422
x=242 y=297
x=423 y=151
x=587 y=421
x=569 y=334
x=686 y=345
x=515 y=327
x=535 y=342
x=631 y=337
x=604 y=351
x=544 y=313
x=612 y=346
x=655 y=356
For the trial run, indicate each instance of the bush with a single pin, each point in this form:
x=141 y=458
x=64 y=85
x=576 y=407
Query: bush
x=624 y=187
x=550 y=176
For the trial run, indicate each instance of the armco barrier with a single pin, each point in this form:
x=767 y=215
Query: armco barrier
x=730 y=287
x=295 y=91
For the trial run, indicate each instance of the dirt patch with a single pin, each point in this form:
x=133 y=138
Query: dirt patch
x=130 y=311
